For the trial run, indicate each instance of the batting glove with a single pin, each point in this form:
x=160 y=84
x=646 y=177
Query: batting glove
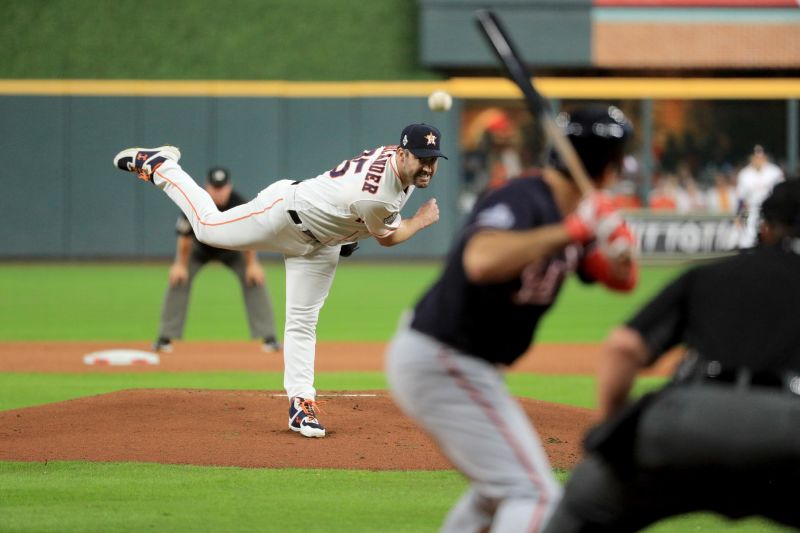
x=582 y=224
x=614 y=237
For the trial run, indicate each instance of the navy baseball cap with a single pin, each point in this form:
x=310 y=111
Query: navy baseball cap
x=422 y=140
x=218 y=177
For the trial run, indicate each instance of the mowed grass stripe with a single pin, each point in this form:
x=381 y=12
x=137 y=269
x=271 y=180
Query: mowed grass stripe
x=19 y=390
x=121 y=497
x=122 y=302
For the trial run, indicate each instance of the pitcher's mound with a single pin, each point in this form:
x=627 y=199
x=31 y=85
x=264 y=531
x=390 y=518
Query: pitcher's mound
x=249 y=429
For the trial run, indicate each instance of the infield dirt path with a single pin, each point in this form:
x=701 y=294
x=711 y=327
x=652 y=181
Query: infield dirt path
x=248 y=428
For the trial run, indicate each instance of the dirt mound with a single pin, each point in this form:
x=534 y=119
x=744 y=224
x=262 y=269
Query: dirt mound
x=249 y=429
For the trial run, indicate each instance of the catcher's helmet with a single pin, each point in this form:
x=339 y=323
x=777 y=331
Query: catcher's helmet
x=598 y=135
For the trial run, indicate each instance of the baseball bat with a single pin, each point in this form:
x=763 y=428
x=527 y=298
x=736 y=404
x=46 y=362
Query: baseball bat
x=538 y=105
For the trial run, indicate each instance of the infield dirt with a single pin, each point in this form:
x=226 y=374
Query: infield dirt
x=249 y=428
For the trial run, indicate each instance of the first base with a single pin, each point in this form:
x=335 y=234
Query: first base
x=121 y=358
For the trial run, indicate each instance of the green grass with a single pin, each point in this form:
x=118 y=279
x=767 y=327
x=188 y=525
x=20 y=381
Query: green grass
x=122 y=302
x=247 y=40
x=100 y=497
x=19 y=390
x=111 y=302
x=77 y=496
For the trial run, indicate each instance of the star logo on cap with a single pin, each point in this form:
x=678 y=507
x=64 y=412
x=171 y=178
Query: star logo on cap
x=431 y=138
x=405 y=140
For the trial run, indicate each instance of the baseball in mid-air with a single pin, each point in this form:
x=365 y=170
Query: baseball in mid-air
x=440 y=101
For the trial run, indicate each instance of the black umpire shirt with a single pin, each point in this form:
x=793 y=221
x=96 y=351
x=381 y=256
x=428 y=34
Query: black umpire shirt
x=203 y=251
x=741 y=311
x=496 y=321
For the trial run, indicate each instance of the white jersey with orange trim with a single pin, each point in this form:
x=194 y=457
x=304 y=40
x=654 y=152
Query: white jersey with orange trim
x=753 y=187
x=306 y=221
x=360 y=197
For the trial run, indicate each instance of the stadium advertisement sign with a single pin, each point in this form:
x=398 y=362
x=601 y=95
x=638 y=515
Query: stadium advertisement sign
x=670 y=236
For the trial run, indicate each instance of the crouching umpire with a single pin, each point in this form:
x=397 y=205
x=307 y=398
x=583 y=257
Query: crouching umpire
x=724 y=435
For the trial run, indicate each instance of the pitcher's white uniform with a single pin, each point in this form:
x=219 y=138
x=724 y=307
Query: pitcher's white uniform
x=752 y=187
x=358 y=198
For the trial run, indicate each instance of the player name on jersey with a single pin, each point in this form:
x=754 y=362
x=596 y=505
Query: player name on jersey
x=375 y=170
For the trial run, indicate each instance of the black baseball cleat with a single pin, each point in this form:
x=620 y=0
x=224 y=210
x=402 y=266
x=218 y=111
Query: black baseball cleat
x=144 y=161
x=163 y=345
x=303 y=418
x=270 y=345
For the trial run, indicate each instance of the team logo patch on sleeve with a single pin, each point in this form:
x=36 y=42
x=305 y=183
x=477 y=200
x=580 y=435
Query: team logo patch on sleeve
x=391 y=218
x=498 y=216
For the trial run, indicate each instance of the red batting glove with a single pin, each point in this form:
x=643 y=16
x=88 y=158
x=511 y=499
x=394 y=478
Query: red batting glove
x=582 y=224
x=599 y=267
x=611 y=259
x=614 y=237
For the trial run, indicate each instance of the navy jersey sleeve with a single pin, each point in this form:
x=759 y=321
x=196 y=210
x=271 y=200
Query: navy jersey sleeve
x=512 y=207
x=662 y=322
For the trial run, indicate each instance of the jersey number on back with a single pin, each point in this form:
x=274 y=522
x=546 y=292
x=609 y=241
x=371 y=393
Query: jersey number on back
x=359 y=161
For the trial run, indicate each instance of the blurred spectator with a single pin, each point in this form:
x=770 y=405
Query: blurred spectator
x=663 y=196
x=721 y=199
x=688 y=196
x=754 y=184
x=623 y=195
x=492 y=154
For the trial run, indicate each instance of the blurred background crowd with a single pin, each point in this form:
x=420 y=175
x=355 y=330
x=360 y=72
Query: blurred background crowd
x=692 y=171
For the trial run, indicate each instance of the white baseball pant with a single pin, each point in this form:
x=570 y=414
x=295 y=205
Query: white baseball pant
x=464 y=405
x=264 y=224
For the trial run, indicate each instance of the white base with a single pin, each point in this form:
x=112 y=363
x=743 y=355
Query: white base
x=121 y=358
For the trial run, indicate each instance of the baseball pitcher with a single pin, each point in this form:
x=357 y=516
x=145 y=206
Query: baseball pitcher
x=308 y=222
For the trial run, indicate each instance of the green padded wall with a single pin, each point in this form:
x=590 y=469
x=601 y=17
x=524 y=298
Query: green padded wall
x=64 y=199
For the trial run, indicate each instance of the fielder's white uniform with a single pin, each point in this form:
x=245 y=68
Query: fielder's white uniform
x=359 y=198
x=752 y=187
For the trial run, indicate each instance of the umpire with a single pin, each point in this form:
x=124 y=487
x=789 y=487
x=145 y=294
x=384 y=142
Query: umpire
x=724 y=435
x=191 y=255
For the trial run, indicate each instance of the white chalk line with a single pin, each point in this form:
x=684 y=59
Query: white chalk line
x=334 y=395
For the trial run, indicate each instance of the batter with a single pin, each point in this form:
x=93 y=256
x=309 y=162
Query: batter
x=445 y=365
x=308 y=222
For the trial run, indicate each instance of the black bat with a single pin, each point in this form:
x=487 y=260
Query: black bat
x=538 y=105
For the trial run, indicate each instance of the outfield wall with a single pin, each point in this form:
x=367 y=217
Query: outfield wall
x=63 y=199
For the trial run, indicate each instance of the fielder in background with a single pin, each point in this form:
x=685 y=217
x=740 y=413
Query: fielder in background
x=191 y=255
x=445 y=365
x=724 y=435
x=311 y=223
x=753 y=185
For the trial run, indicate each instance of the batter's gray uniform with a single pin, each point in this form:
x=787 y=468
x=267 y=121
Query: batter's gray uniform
x=465 y=405
x=445 y=364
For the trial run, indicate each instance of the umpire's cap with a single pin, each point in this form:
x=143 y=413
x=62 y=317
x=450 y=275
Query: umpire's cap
x=422 y=140
x=218 y=177
x=783 y=205
x=598 y=133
